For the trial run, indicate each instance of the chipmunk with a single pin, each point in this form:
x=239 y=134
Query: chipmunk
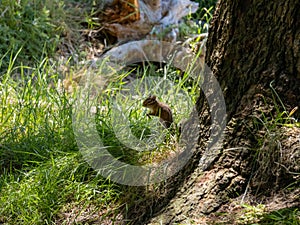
x=157 y=108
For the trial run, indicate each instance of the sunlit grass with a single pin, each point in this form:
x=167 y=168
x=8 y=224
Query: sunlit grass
x=41 y=168
x=43 y=176
x=29 y=26
x=260 y=215
x=39 y=195
x=35 y=118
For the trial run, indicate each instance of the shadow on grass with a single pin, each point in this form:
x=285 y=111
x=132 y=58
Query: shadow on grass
x=286 y=216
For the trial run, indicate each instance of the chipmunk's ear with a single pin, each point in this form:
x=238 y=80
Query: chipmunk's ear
x=153 y=97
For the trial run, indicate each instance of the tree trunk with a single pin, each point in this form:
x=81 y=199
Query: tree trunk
x=252 y=43
x=253 y=49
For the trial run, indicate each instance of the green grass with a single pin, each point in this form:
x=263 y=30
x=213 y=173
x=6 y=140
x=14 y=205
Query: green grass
x=39 y=195
x=179 y=93
x=42 y=171
x=286 y=216
x=259 y=215
x=41 y=168
x=43 y=176
x=35 y=118
x=30 y=26
x=203 y=6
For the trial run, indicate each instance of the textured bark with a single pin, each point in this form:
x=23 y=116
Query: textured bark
x=252 y=42
x=252 y=45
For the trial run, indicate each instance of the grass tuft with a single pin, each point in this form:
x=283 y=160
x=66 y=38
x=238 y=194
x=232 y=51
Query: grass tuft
x=43 y=178
x=32 y=28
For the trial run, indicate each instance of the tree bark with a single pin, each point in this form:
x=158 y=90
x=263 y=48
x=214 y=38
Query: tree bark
x=252 y=42
x=253 y=49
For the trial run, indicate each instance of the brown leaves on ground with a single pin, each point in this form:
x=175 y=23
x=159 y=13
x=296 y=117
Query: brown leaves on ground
x=122 y=12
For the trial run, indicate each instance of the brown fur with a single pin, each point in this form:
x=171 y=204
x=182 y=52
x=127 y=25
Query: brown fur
x=157 y=108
